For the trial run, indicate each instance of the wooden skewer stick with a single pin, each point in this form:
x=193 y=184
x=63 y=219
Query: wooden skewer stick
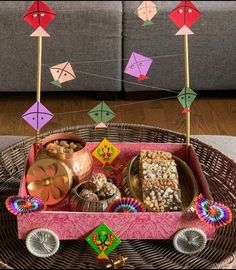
x=39 y=77
x=119 y=262
x=187 y=84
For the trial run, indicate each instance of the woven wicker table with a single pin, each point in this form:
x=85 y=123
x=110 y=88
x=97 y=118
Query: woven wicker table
x=220 y=172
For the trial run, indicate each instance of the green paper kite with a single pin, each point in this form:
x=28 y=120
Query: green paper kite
x=103 y=241
x=186 y=98
x=101 y=114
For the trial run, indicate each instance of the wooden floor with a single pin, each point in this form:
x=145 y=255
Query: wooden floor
x=210 y=115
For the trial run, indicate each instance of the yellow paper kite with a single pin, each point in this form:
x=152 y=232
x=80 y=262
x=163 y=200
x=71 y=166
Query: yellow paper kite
x=106 y=152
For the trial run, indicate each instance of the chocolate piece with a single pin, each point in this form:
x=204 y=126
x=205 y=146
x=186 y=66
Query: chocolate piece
x=99 y=180
x=107 y=191
x=159 y=179
x=88 y=195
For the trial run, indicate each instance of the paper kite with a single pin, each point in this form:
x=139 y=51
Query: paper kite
x=37 y=115
x=146 y=11
x=24 y=205
x=184 y=16
x=213 y=213
x=103 y=241
x=39 y=16
x=101 y=114
x=106 y=152
x=62 y=73
x=186 y=98
x=138 y=66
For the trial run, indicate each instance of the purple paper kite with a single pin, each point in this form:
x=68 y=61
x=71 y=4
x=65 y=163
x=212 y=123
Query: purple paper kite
x=138 y=66
x=37 y=116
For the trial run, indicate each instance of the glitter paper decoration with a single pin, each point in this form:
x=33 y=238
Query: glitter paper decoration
x=126 y=205
x=101 y=114
x=37 y=115
x=213 y=213
x=138 y=66
x=103 y=241
x=106 y=152
x=24 y=205
x=62 y=73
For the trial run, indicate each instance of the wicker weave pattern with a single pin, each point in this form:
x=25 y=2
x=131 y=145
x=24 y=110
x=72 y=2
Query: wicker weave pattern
x=219 y=170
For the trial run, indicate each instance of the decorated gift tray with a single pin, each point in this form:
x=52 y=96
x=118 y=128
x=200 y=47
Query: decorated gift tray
x=147 y=225
x=109 y=191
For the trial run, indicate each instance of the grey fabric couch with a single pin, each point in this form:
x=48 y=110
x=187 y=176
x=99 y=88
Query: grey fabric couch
x=98 y=37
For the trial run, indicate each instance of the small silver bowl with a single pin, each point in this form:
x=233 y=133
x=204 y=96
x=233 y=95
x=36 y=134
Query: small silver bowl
x=79 y=204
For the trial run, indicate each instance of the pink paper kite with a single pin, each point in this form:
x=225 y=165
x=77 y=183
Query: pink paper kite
x=62 y=73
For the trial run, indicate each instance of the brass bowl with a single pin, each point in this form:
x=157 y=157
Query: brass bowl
x=79 y=204
x=187 y=181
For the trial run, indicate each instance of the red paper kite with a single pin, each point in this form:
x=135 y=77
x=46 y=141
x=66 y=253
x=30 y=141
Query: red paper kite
x=39 y=16
x=185 y=14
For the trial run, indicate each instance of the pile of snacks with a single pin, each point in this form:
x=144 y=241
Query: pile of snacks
x=63 y=146
x=159 y=180
x=100 y=190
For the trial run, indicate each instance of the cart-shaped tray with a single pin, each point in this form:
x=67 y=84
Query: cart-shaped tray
x=67 y=224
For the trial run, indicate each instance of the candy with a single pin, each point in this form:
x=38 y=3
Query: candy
x=107 y=191
x=99 y=180
x=159 y=177
x=88 y=195
x=63 y=146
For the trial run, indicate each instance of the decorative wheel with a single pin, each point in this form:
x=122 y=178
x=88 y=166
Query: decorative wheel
x=42 y=242
x=190 y=241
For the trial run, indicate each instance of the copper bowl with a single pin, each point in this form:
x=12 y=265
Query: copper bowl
x=80 y=162
x=79 y=204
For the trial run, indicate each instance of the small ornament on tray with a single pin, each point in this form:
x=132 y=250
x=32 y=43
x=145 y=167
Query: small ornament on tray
x=106 y=152
x=215 y=214
x=24 y=205
x=126 y=205
x=103 y=241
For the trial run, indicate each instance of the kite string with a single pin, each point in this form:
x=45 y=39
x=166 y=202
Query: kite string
x=119 y=105
x=120 y=80
x=120 y=59
x=116 y=79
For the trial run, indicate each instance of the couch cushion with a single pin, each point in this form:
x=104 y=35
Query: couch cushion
x=82 y=31
x=211 y=50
